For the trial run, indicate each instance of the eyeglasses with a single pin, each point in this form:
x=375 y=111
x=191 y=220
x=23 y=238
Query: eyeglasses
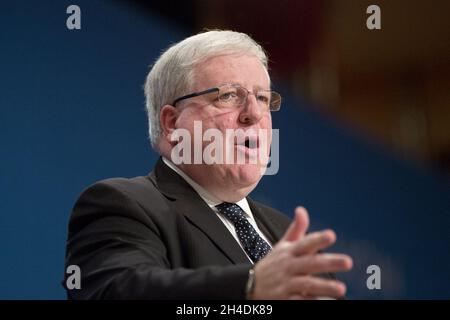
x=233 y=96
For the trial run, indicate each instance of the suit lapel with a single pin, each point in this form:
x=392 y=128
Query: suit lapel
x=188 y=203
x=270 y=227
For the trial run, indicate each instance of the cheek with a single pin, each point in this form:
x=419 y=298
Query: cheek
x=266 y=121
x=266 y=124
x=222 y=122
x=189 y=118
x=185 y=120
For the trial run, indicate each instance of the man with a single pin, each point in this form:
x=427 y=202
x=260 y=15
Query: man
x=188 y=230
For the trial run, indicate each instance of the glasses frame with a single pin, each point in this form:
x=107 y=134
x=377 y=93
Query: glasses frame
x=217 y=89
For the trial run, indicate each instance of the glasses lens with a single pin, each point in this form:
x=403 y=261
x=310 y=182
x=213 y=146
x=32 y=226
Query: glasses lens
x=235 y=96
x=230 y=96
x=275 y=101
x=263 y=98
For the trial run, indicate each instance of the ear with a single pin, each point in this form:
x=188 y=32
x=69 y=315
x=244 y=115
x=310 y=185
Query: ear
x=167 y=119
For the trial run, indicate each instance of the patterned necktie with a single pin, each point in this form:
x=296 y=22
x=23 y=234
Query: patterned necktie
x=255 y=246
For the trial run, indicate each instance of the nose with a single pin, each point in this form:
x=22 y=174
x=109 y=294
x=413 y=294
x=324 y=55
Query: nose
x=251 y=113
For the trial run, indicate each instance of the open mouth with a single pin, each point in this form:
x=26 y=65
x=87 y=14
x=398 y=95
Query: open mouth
x=250 y=143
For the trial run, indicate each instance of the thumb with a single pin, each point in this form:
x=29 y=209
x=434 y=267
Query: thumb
x=298 y=227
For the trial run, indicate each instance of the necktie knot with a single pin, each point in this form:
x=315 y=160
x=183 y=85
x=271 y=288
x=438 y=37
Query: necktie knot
x=254 y=245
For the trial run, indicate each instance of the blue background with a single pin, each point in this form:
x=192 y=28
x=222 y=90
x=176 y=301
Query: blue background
x=72 y=112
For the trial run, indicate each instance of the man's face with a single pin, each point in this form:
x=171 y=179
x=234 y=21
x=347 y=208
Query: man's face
x=232 y=180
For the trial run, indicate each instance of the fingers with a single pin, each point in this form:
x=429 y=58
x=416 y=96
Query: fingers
x=298 y=227
x=298 y=258
x=307 y=287
x=314 y=242
x=321 y=263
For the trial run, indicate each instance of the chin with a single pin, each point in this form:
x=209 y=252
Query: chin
x=247 y=174
x=239 y=180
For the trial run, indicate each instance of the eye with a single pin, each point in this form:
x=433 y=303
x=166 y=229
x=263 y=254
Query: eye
x=264 y=98
x=227 y=96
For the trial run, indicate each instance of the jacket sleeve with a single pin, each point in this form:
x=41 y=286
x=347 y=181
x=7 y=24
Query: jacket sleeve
x=122 y=255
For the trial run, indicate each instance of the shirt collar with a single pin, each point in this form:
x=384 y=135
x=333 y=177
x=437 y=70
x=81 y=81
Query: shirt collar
x=210 y=199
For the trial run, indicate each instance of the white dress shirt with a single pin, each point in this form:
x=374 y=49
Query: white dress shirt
x=212 y=202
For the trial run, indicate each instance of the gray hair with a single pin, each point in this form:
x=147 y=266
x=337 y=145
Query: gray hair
x=173 y=72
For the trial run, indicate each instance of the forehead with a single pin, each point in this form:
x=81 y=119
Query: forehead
x=244 y=70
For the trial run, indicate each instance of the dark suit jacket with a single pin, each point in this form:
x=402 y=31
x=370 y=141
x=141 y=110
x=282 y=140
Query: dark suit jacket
x=153 y=237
